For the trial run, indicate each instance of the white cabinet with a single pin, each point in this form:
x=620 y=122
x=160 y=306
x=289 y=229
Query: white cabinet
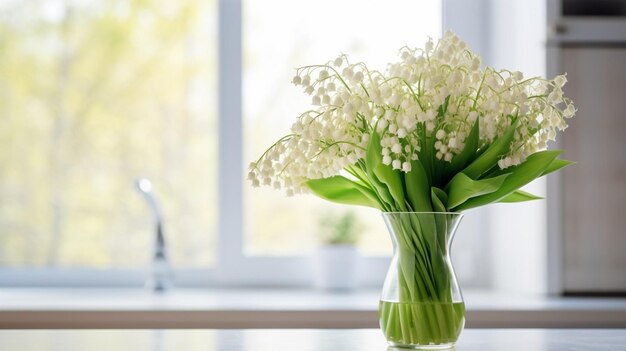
x=594 y=190
x=587 y=202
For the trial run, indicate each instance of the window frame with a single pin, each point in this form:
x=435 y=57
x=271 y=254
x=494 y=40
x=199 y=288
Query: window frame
x=233 y=267
x=236 y=268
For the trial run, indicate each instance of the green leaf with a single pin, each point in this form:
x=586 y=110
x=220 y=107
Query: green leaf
x=392 y=179
x=461 y=188
x=417 y=188
x=523 y=174
x=373 y=158
x=556 y=165
x=373 y=154
x=553 y=167
x=494 y=152
x=388 y=181
x=520 y=196
x=439 y=199
x=468 y=153
x=426 y=153
x=342 y=190
x=443 y=107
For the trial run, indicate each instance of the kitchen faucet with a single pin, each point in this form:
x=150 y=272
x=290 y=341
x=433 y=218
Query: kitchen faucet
x=160 y=276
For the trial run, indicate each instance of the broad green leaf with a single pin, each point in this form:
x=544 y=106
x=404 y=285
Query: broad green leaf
x=373 y=154
x=494 y=152
x=417 y=188
x=392 y=179
x=344 y=191
x=523 y=174
x=461 y=188
x=438 y=178
x=553 y=167
x=373 y=158
x=519 y=196
x=556 y=165
x=439 y=199
x=467 y=154
x=437 y=166
x=426 y=154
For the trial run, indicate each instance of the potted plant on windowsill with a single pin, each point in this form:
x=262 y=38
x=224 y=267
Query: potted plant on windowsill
x=336 y=258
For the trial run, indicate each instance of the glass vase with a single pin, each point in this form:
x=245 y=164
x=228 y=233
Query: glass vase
x=421 y=305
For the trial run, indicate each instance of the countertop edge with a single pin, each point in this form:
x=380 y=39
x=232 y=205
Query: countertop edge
x=323 y=319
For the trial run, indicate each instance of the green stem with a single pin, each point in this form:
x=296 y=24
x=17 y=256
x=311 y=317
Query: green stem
x=425 y=313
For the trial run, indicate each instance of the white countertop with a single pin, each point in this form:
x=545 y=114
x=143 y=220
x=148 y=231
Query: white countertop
x=305 y=340
x=279 y=308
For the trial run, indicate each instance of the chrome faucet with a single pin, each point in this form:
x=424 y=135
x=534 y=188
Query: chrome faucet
x=160 y=277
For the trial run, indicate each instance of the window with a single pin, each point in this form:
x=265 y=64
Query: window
x=98 y=93
x=307 y=33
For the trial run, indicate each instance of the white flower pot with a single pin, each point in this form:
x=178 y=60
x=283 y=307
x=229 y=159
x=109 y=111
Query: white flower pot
x=336 y=267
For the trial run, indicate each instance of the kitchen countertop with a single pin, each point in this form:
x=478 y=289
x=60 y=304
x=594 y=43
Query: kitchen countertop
x=32 y=308
x=302 y=339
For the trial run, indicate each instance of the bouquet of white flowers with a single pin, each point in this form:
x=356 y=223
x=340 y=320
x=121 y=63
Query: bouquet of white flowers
x=435 y=120
x=435 y=132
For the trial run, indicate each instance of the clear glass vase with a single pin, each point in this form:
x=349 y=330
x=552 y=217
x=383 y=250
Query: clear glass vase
x=421 y=305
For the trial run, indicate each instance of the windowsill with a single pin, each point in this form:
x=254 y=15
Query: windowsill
x=278 y=308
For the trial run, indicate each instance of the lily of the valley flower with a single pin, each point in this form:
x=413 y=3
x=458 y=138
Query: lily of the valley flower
x=439 y=91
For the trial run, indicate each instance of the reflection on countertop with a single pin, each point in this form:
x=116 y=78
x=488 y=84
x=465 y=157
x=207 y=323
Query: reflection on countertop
x=309 y=340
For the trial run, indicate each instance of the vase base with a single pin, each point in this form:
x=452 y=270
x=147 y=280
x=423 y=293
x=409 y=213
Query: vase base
x=400 y=347
x=422 y=325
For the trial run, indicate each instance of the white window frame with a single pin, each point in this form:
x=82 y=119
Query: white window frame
x=236 y=268
x=233 y=267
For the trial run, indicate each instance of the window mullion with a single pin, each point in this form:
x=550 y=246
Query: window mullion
x=230 y=143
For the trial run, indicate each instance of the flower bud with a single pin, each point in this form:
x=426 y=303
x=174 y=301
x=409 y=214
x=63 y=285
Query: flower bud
x=560 y=80
x=406 y=167
x=358 y=77
x=396 y=148
x=440 y=134
x=306 y=80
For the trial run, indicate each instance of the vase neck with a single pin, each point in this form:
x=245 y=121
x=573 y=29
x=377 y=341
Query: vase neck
x=420 y=231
